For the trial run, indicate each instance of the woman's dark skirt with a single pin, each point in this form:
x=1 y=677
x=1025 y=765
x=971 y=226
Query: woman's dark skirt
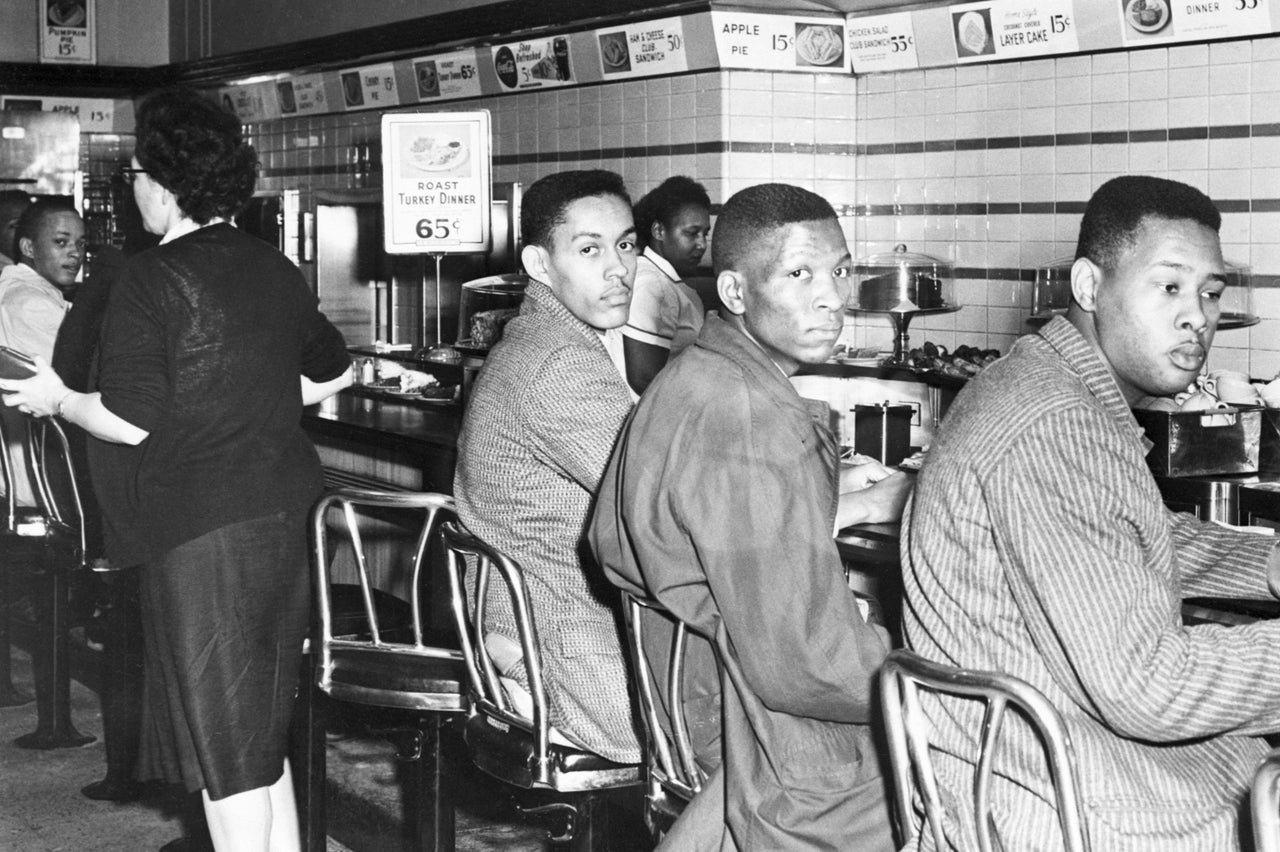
x=224 y=618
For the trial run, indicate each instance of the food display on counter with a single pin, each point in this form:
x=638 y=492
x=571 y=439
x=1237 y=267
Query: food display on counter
x=900 y=291
x=412 y=384
x=964 y=362
x=486 y=326
x=1220 y=389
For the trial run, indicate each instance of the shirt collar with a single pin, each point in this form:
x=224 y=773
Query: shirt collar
x=1087 y=362
x=664 y=266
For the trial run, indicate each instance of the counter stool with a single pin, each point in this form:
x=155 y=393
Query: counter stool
x=672 y=775
x=365 y=651
x=517 y=748
x=902 y=678
x=48 y=541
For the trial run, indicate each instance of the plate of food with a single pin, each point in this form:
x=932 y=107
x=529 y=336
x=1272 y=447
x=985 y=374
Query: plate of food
x=1147 y=16
x=436 y=153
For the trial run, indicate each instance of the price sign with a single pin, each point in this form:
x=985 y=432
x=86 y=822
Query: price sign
x=447 y=76
x=68 y=31
x=534 y=64
x=308 y=95
x=1144 y=22
x=370 y=87
x=780 y=42
x=96 y=115
x=247 y=103
x=654 y=47
x=882 y=43
x=1013 y=28
x=436 y=193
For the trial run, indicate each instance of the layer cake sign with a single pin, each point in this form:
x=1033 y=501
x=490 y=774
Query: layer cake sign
x=436 y=190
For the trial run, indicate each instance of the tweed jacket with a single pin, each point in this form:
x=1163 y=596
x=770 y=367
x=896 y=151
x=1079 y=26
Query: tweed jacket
x=1037 y=544
x=542 y=420
x=719 y=503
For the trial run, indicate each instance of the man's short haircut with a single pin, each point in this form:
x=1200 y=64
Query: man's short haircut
x=664 y=203
x=1119 y=207
x=752 y=215
x=544 y=204
x=32 y=219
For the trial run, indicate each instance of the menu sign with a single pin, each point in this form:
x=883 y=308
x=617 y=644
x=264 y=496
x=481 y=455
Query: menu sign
x=654 y=47
x=882 y=43
x=780 y=42
x=67 y=31
x=534 y=64
x=302 y=95
x=447 y=76
x=369 y=87
x=1006 y=29
x=1154 y=21
x=248 y=103
x=96 y=115
x=435 y=182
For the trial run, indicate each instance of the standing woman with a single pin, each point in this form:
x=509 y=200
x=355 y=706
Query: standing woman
x=211 y=345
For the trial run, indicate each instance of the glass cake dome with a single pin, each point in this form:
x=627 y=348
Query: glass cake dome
x=903 y=282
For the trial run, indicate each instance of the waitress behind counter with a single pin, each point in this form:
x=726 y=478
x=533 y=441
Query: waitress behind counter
x=203 y=471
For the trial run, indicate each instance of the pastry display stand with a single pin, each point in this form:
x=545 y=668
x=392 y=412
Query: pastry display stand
x=440 y=352
x=901 y=320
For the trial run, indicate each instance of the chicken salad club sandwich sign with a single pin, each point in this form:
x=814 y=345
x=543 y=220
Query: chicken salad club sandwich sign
x=436 y=188
x=68 y=31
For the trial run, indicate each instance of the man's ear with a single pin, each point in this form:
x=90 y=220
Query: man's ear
x=26 y=247
x=1086 y=278
x=730 y=286
x=536 y=260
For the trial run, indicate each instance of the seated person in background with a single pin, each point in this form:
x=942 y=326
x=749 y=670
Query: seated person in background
x=673 y=222
x=1038 y=545
x=543 y=417
x=721 y=502
x=49 y=239
x=12 y=203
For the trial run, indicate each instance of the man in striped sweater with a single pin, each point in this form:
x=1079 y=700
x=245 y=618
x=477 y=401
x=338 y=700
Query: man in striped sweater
x=1038 y=544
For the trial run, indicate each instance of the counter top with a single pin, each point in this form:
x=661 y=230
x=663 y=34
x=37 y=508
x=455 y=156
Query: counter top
x=393 y=424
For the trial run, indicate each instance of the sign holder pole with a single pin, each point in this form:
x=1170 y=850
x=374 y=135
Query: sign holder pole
x=441 y=351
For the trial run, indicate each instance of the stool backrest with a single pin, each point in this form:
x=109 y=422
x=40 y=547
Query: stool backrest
x=466 y=552
x=903 y=677
x=1265 y=804
x=50 y=470
x=669 y=754
x=350 y=505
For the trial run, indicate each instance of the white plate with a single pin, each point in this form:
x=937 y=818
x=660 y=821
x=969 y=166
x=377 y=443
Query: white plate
x=436 y=153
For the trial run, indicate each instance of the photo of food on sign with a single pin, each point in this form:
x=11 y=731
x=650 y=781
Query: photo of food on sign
x=67 y=13
x=1147 y=17
x=435 y=149
x=615 y=56
x=428 y=78
x=973 y=33
x=819 y=44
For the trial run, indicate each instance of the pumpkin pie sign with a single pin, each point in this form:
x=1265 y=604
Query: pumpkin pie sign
x=68 y=31
x=436 y=190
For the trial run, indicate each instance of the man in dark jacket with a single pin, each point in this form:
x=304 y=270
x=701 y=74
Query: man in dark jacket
x=721 y=501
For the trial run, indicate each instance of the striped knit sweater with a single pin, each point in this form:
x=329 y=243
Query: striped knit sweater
x=541 y=423
x=1037 y=544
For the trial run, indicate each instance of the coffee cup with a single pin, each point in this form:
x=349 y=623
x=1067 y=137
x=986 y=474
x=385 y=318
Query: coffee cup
x=1198 y=400
x=1235 y=387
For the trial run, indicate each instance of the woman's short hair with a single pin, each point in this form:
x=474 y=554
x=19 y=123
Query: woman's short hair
x=544 y=204
x=665 y=201
x=750 y=218
x=195 y=149
x=1116 y=212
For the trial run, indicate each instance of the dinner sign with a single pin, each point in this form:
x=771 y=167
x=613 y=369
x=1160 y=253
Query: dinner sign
x=436 y=189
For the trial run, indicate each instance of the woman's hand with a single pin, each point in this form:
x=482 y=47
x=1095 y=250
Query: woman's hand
x=38 y=395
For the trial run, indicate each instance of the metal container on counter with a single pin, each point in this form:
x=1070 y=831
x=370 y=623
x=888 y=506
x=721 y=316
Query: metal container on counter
x=883 y=432
x=1201 y=443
